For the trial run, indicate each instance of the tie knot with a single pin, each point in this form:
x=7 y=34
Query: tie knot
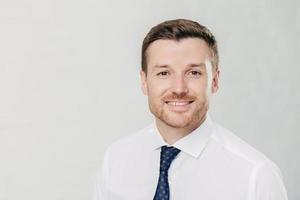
x=167 y=155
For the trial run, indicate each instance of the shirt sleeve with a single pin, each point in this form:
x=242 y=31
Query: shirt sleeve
x=267 y=183
x=100 y=188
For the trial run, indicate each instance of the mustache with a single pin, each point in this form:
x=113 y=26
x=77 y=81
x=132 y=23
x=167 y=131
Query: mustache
x=182 y=97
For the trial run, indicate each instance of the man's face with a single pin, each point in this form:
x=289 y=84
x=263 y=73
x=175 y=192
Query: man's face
x=179 y=81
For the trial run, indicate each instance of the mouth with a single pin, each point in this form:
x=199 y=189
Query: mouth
x=178 y=103
x=179 y=106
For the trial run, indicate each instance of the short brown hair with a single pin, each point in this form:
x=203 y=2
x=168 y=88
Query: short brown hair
x=180 y=29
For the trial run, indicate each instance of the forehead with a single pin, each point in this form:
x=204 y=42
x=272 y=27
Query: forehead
x=184 y=51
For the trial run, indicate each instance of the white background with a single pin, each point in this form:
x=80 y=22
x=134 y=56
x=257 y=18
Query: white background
x=69 y=85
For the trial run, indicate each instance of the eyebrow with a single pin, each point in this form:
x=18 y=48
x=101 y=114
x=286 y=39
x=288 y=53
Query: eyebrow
x=190 y=65
x=197 y=65
x=161 y=66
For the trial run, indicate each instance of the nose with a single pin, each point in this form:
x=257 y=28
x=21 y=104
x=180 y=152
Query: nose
x=179 y=86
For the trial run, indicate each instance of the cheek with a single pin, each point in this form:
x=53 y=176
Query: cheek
x=157 y=88
x=198 y=87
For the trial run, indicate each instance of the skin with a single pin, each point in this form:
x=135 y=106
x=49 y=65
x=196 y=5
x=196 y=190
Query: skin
x=178 y=84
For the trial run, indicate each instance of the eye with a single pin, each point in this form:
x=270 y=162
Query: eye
x=194 y=74
x=163 y=74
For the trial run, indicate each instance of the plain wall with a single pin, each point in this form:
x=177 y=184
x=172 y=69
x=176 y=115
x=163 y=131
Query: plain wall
x=69 y=85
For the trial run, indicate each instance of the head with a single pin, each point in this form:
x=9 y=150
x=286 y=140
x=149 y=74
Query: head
x=179 y=72
x=177 y=30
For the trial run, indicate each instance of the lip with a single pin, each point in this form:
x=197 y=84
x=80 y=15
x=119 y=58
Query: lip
x=178 y=103
x=178 y=106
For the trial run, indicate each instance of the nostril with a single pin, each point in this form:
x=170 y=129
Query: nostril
x=179 y=95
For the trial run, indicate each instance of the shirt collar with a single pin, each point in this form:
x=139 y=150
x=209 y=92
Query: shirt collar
x=192 y=144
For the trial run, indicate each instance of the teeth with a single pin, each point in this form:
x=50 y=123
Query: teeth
x=174 y=103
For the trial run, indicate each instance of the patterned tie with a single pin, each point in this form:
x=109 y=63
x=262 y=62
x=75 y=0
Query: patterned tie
x=167 y=155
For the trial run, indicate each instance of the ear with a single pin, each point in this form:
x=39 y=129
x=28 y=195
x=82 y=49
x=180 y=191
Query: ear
x=215 y=81
x=144 y=82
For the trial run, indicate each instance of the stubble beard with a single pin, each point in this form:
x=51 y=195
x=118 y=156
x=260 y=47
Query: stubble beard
x=181 y=119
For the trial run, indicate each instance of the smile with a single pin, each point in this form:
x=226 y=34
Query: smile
x=178 y=103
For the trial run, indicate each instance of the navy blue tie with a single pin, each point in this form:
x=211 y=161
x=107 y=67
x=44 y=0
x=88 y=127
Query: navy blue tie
x=167 y=155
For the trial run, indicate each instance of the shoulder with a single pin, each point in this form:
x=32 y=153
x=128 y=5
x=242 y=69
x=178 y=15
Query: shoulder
x=131 y=142
x=265 y=178
x=238 y=148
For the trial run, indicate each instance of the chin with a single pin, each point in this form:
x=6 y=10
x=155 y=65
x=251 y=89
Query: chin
x=177 y=125
x=189 y=119
x=177 y=122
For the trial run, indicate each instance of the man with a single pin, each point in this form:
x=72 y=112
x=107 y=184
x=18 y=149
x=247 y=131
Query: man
x=184 y=155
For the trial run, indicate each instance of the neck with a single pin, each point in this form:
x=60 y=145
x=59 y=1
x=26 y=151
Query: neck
x=172 y=134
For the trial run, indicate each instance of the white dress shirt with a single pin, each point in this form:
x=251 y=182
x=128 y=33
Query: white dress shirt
x=213 y=164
